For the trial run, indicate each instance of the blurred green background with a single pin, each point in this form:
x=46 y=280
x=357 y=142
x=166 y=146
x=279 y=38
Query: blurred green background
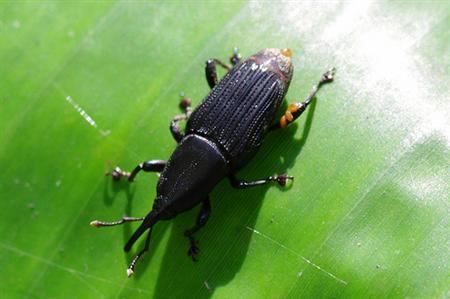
x=367 y=215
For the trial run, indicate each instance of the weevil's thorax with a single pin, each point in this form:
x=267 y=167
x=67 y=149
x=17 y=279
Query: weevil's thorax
x=273 y=60
x=242 y=106
x=192 y=171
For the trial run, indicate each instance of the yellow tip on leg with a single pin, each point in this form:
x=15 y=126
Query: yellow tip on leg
x=95 y=223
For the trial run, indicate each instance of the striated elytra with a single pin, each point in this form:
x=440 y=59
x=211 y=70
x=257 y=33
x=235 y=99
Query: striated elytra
x=221 y=136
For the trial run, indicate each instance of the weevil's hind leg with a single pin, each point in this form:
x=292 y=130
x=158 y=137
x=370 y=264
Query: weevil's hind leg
x=97 y=223
x=185 y=105
x=211 y=64
x=241 y=184
x=130 y=270
x=202 y=218
x=147 y=166
x=296 y=109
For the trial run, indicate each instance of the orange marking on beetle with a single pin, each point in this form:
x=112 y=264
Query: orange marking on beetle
x=286 y=52
x=293 y=108
x=283 y=122
x=288 y=116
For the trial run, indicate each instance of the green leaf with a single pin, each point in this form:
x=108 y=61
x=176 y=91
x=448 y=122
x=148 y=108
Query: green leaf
x=85 y=87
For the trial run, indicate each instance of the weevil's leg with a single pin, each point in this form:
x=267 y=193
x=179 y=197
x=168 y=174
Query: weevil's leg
x=210 y=67
x=236 y=57
x=241 y=184
x=175 y=128
x=202 y=218
x=97 y=223
x=130 y=270
x=296 y=109
x=211 y=72
x=185 y=105
x=147 y=166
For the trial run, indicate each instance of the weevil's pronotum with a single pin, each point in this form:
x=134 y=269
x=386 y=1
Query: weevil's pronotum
x=221 y=136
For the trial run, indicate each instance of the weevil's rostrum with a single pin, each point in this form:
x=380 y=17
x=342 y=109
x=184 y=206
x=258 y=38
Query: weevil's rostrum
x=222 y=135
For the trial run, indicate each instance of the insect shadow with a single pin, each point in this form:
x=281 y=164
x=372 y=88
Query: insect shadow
x=225 y=240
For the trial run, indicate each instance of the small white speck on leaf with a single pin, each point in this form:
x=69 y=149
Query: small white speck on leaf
x=16 y=24
x=105 y=133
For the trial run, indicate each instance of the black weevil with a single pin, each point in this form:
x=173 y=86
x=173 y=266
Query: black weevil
x=221 y=136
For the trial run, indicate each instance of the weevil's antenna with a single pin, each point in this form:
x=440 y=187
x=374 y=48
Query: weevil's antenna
x=130 y=269
x=147 y=224
x=97 y=223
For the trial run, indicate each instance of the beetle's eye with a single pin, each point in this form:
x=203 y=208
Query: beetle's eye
x=286 y=52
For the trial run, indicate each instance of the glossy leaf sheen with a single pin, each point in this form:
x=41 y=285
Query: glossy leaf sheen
x=87 y=87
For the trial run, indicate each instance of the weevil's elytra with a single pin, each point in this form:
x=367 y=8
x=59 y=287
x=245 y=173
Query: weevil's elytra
x=222 y=135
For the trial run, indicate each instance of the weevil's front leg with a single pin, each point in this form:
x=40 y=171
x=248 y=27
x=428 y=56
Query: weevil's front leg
x=211 y=64
x=241 y=184
x=185 y=105
x=175 y=127
x=296 y=109
x=235 y=57
x=202 y=218
x=147 y=166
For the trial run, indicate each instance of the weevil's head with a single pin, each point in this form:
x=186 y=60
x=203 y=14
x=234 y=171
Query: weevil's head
x=194 y=168
x=277 y=60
